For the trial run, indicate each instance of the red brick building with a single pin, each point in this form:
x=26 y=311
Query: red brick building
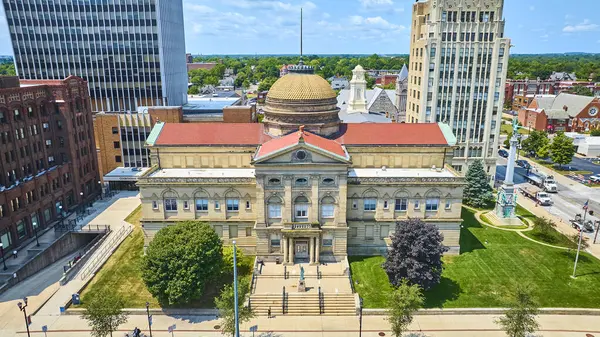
x=47 y=146
x=564 y=112
x=519 y=93
x=386 y=80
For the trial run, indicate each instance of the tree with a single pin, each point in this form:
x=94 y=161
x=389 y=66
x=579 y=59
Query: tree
x=193 y=90
x=507 y=140
x=370 y=81
x=405 y=300
x=104 y=313
x=416 y=254
x=478 y=192
x=520 y=319
x=181 y=260
x=595 y=133
x=266 y=83
x=581 y=90
x=584 y=243
x=544 y=151
x=562 y=149
x=543 y=225
x=226 y=305
x=535 y=141
x=228 y=259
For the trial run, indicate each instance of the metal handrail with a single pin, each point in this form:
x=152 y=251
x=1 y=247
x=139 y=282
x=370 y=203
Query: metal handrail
x=321 y=302
x=283 y=302
x=106 y=250
x=285 y=272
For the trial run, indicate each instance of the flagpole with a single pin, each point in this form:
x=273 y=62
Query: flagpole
x=585 y=207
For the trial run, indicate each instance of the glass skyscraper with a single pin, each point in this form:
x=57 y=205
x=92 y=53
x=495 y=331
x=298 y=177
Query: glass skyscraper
x=132 y=52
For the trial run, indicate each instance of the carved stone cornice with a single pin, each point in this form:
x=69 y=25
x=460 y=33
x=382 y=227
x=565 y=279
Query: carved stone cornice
x=405 y=180
x=196 y=181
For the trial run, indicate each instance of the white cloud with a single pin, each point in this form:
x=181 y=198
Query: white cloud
x=376 y=3
x=270 y=5
x=326 y=15
x=584 y=26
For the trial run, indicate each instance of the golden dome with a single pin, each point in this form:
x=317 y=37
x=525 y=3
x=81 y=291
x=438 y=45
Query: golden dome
x=301 y=87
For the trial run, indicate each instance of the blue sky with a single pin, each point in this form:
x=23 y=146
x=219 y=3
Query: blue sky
x=365 y=26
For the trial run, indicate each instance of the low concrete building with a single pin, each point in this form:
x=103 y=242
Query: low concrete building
x=589 y=147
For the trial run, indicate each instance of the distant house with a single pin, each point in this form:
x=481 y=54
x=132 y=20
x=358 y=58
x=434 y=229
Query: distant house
x=563 y=76
x=338 y=83
x=565 y=112
x=283 y=71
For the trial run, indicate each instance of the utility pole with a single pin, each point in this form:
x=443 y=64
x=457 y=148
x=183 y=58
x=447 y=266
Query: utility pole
x=235 y=290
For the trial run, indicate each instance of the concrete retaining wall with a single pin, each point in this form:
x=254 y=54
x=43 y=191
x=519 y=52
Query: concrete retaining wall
x=62 y=247
x=490 y=311
x=168 y=312
x=89 y=251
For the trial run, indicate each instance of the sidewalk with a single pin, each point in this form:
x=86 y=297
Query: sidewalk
x=431 y=325
x=114 y=215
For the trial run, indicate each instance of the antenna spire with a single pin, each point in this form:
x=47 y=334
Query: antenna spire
x=300 y=33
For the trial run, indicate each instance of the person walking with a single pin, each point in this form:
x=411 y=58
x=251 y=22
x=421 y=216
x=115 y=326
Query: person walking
x=269 y=313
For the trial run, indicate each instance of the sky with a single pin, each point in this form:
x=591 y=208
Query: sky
x=364 y=26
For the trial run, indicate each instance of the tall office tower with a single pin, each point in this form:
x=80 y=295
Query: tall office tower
x=131 y=52
x=458 y=64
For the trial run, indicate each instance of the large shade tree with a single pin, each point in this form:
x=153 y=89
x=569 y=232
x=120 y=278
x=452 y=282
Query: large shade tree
x=181 y=260
x=562 y=149
x=416 y=254
x=104 y=313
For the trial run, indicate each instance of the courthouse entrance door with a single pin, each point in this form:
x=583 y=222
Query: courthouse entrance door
x=301 y=251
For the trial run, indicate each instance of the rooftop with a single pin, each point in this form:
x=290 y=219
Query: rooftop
x=203 y=173
x=301 y=87
x=210 y=134
x=399 y=172
x=125 y=173
x=424 y=134
x=295 y=138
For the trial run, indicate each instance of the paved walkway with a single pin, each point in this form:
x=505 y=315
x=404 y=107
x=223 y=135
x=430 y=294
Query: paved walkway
x=114 y=215
x=331 y=326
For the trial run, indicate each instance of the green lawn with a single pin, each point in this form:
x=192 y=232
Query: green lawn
x=492 y=262
x=507 y=128
x=122 y=274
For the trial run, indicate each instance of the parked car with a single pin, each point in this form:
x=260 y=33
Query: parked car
x=595 y=178
x=523 y=163
x=503 y=153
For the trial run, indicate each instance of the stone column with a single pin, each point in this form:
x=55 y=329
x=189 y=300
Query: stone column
x=260 y=201
x=313 y=215
x=288 y=209
x=311 y=247
x=317 y=247
x=285 y=248
x=343 y=200
x=291 y=251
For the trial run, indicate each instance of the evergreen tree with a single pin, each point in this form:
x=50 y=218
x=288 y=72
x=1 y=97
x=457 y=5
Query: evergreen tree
x=478 y=192
x=562 y=149
x=416 y=254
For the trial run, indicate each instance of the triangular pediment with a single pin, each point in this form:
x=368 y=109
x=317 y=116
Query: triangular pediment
x=302 y=153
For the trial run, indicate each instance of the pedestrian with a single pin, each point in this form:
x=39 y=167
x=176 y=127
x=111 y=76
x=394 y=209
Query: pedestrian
x=269 y=313
x=15 y=254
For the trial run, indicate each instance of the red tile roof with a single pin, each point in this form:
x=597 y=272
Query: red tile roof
x=391 y=134
x=294 y=138
x=212 y=134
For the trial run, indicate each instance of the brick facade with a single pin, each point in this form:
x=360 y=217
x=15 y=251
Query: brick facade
x=48 y=150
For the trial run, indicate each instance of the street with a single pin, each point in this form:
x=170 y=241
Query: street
x=567 y=202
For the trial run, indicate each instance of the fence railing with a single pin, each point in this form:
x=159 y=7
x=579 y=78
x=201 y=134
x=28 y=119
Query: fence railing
x=109 y=246
x=321 y=302
x=283 y=304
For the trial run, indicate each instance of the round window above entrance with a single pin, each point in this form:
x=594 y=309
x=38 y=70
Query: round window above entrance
x=301 y=155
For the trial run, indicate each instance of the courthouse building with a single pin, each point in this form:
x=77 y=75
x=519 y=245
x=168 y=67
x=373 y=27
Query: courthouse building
x=302 y=186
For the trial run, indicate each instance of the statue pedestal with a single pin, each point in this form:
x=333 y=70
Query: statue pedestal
x=301 y=286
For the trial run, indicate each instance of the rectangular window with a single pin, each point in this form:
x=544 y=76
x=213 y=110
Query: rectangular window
x=327 y=211
x=384 y=231
x=201 y=204
x=353 y=232
x=219 y=231
x=118 y=159
x=417 y=204
x=432 y=204
x=301 y=211
x=217 y=204
x=154 y=204
x=233 y=205
x=47 y=215
x=354 y=204
x=448 y=204
x=401 y=205
x=115 y=130
x=385 y=204
x=21 y=230
x=233 y=231
x=370 y=204
x=369 y=232
x=248 y=231
x=275 y=211
x=248 y=205
x=170 y=204
x=5 y=239
x=327 y=242
x=116 y=145
x=186 y=205
x=275 y=240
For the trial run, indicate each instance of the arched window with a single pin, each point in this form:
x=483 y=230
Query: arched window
x=432 y=201
x=301 y=182
x=327 y=207
x=401 y=201
x=274 y=207
x=301 y=208
x=170 y=201
x=370 y=201
x=274 y=181
x=232 y=200
x=201 y=200
x=328 y=181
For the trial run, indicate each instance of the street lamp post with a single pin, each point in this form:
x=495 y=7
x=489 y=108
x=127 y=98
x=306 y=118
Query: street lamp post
x=100 y=183
x=81 y=205
x=34 y=224
x=579 y=244
x=2 y=253
x=597 y=229
x=22 y=308
x=149 y=321
x=235 y=290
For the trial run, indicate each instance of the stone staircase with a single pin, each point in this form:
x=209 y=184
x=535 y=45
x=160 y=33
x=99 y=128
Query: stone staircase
x=303 y=304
